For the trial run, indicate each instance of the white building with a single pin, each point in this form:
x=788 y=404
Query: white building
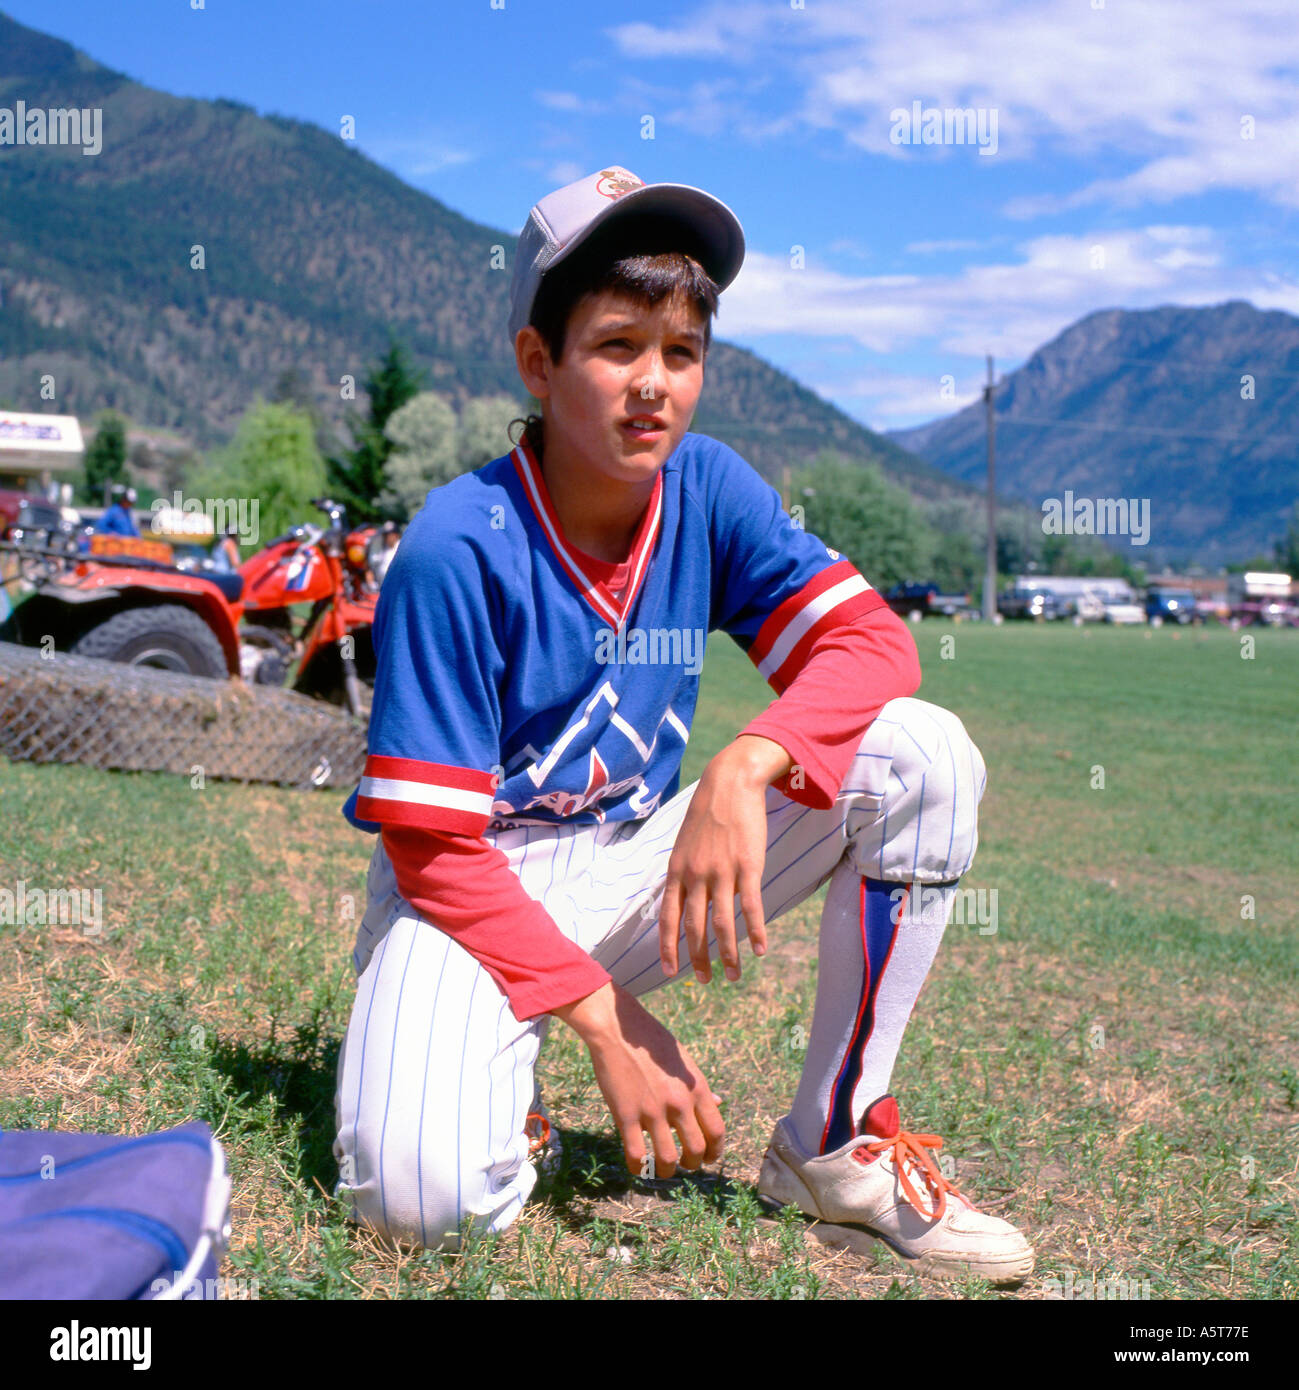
x=1073 y=586
x=1258 y=584
x=38 y=452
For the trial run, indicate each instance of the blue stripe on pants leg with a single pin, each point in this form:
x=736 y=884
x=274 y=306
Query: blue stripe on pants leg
x=879 y=915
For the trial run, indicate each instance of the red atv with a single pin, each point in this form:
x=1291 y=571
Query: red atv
x=129 y=601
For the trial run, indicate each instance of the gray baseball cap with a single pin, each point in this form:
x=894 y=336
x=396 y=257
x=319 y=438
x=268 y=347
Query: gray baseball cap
x=564 y=219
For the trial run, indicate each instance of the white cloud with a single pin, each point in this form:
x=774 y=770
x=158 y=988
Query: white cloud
x=1264 y=165
x=897 y=396
x=1157 y=86
x=713 y=35
x=566 y=171
x=849 y=246
x=928 y=248
x=769 y=297
x=561 y=101
x=708 y=106
x=1008 y=308
x=416 y=156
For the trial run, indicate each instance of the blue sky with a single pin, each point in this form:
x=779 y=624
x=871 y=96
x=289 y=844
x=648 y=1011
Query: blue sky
x=1132 y=152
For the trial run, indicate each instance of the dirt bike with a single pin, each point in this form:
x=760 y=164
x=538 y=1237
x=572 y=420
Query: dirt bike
x=332 y=568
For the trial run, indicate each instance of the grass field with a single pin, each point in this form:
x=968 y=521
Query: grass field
x=1114 y=1067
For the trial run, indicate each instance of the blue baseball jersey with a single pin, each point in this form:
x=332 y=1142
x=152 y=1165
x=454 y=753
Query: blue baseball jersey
x=513 y=686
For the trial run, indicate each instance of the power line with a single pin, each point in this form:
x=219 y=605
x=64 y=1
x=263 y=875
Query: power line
x=1189 y=366
x=1139 y=429
x=990 y=554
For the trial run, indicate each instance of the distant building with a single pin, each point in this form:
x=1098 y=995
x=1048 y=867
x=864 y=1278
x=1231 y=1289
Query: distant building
x=1260 y=585
x=38 y=453
x=1108 y=590
x=1209 y=588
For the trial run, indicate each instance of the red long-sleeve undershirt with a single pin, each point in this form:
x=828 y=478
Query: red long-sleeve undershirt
x=464 y=885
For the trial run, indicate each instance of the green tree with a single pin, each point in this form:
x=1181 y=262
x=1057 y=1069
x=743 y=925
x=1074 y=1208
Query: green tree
x=422 y=435
x=357 y=477
x=1086 y=556
x=105 y=460
x=484 y=430
x=1256 y=562
x=1020 y=541
x=1287 y=549
x=430 y=445
x=855 y=510
x=273 y=461
x=959 y=526
x=294 y=388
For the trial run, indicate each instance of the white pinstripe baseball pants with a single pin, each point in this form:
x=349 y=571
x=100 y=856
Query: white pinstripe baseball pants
x=435 y=1078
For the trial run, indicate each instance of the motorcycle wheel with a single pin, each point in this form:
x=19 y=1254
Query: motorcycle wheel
x=272 y=667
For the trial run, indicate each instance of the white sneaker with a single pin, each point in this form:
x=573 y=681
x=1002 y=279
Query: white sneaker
x=867 y=1188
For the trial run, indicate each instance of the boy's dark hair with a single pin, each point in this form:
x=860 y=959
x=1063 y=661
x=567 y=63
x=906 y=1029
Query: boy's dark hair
x=646 y=259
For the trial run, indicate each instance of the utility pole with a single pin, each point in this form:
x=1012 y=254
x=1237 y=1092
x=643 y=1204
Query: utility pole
x=990 y=574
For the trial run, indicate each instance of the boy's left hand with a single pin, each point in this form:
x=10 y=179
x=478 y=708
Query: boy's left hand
x=719 y=854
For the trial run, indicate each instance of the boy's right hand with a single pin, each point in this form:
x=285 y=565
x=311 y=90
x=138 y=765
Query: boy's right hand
x=649 y=1082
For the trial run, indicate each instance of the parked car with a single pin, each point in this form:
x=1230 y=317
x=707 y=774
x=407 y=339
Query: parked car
x=916 y=601
x=1260 y=613
x=1030 y=603
x=29 y=511
x=1124 y=613
x=1258 y=598
x=1085 y=608
x=1170 y=606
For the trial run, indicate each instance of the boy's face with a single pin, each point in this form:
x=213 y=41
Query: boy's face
x=621 y=360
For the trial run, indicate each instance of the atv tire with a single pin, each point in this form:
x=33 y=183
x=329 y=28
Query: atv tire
x=168 y=636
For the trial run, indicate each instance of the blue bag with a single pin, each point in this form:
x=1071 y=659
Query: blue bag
x=107 y=1216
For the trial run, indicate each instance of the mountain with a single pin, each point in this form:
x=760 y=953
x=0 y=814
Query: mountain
x=312 y=254
x=1154 y=404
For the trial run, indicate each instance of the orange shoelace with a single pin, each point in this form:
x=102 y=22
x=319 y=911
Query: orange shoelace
x=537 y=1128
x=911 y=1152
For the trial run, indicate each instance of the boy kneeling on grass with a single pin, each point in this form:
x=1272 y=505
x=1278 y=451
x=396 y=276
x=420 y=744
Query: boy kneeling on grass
x=539 y=638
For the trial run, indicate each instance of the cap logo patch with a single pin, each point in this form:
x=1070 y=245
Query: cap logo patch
x=613 y=183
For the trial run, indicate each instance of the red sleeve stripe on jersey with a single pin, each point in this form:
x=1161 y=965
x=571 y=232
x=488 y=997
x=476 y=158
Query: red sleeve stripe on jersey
x=534 y=485
x=437 y=796
x=837 y=592
x=842 y=617
x=434 y=774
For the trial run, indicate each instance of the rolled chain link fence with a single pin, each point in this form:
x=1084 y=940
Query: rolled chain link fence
x=59 y=708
